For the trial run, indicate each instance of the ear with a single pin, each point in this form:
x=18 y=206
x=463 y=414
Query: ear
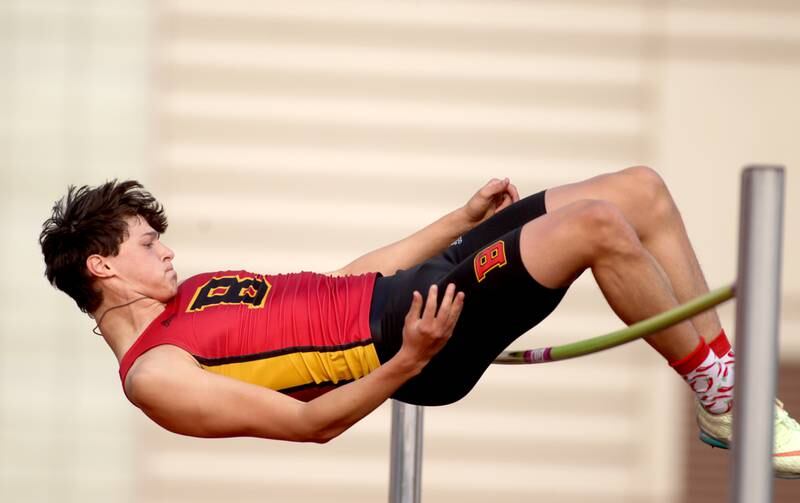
x=98 y=267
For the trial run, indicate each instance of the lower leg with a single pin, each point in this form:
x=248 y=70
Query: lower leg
x=629 y=277
x=594 y=234
x=646 y=203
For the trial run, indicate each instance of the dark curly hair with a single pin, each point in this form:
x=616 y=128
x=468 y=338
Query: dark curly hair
x=87 y=221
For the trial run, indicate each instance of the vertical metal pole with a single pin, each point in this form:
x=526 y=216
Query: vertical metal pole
x=757 y=319
x=405 y=470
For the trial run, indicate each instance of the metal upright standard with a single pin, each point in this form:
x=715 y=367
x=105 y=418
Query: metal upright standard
x=757 y=318
x=405 y=468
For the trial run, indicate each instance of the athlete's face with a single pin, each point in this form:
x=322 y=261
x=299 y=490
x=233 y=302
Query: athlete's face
x=144 y=263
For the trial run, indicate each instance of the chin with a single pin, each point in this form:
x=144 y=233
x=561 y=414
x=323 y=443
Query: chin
x=166 y=293
x=172 y=292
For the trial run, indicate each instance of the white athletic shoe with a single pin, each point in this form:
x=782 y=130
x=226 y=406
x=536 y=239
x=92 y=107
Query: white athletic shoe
x=717 y=431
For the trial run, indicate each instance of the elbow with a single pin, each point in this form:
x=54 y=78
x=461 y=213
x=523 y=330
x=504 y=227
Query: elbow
x=321 y=439
x=319 y=432
x=315 y=427
x=322 y=435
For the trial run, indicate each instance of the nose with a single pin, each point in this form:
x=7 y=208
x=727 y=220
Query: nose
x=168 y=253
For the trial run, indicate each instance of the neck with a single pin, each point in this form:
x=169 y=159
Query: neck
x=121 y=326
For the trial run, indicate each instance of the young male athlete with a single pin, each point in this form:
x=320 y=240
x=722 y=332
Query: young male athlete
x=304 y=356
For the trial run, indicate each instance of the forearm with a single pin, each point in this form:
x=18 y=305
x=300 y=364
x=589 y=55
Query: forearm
x=414 y=249
x=192 y=401
x=334 y=412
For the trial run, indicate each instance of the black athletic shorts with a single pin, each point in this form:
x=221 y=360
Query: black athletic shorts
x=502 y=302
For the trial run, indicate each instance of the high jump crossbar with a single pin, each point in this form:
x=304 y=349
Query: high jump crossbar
x=757 y=316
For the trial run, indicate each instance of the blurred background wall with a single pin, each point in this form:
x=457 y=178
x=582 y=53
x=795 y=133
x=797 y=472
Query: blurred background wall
x=287 y=136
x=75 y=108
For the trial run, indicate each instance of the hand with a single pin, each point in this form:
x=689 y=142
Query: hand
x=493 y=197
x=426 y=333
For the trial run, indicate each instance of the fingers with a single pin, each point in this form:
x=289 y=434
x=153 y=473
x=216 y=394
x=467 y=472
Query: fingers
x=512 y=189
x=447 y=301
x=497 y=186
x=430 y=305
x=450 y=309
x=426 y=332
x=430 y=313
x=508 y=196
x=504 y=202
x=416 y=306
x=492 y=187
x=455 y=311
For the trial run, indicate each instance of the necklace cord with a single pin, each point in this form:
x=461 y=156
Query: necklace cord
x=100 y=320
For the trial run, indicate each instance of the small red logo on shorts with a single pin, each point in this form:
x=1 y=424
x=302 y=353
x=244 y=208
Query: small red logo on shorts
x=490 y=257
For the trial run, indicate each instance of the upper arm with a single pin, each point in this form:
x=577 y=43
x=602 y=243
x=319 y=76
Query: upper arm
x=186 y=399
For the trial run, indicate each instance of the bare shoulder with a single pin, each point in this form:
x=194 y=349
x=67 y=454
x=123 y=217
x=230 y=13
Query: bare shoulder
x=160 y=366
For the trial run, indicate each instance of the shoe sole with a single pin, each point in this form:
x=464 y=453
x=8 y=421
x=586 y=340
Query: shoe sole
x=714 y=442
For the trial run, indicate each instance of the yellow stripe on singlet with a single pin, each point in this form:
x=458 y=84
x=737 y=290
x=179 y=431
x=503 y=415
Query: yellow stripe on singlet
x=303 y=368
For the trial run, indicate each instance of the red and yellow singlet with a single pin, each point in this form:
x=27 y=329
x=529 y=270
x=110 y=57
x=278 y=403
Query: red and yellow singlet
x=300 y=334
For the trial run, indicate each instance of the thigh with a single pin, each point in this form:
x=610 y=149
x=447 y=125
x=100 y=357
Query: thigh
x=516 y=215
x=639 y=192
x=502 y=302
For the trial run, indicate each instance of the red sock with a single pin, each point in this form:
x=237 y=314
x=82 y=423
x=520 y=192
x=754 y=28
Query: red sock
x=691 y=361
x=721 y=345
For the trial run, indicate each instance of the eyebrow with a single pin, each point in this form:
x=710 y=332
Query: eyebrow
x=153 y=234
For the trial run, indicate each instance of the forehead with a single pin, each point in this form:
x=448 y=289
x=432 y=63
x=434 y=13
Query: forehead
x=137 y=226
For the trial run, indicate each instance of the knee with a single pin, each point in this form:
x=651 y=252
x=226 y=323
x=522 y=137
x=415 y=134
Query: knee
x=605 y=229
x=649 y=191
